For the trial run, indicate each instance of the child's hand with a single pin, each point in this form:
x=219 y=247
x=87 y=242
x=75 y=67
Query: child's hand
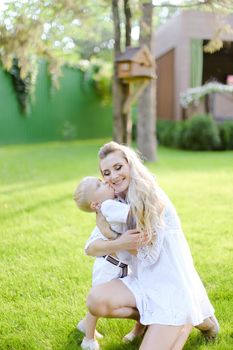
x=97 y=207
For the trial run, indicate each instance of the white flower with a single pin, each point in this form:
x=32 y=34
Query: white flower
x=193 y=95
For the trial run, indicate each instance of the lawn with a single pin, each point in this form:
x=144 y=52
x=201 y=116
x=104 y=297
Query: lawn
x=43 y=271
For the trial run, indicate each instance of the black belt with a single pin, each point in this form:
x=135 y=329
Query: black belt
x=116 y=262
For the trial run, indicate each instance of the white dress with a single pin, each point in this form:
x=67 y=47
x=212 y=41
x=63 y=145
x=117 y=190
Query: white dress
x=164 y=282
x=116 y=214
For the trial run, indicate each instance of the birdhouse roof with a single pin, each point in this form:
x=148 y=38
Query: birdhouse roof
x=136 y=54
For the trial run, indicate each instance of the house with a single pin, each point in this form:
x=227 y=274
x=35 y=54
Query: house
x=182 y=63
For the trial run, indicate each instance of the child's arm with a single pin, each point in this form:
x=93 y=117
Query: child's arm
x=130 y=240
x=104 y=227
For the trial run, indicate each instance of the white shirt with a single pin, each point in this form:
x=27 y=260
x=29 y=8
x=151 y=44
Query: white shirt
x=116 y=214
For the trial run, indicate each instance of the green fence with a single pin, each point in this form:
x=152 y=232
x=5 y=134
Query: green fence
x=73 y=111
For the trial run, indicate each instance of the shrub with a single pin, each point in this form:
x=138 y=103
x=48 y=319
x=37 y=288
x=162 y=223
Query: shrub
x=165 y=132
x=178 y=134
x=226 y=135
x=200 y=133
x=169 y=132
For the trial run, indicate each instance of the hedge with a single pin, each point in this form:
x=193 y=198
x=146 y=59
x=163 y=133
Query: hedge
x=199 y=133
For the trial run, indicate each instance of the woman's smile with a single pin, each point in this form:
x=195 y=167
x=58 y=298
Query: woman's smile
x=117 y=185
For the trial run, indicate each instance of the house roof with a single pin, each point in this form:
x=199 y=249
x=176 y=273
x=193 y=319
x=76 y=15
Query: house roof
x=129 y=54
x=136 y=54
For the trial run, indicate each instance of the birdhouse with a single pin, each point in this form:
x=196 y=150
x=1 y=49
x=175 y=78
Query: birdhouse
x=136 y=63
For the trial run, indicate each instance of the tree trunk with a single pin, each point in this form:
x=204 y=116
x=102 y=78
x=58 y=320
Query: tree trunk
x=121 y=121
x=146 y=139
x=126 y=117
x=117 y=86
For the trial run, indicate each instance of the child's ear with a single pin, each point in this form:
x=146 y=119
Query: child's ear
x=95 y=206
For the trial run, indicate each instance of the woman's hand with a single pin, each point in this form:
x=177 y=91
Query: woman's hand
x=131 y=240
x=104 y=227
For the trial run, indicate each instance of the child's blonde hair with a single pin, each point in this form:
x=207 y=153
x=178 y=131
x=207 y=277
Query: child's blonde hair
x=82 y=195
x=145 y=205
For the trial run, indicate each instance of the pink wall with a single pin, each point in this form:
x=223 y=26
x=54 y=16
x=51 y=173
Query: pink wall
x=176 y=34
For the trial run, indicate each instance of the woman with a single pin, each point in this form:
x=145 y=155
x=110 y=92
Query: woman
x=164 y=290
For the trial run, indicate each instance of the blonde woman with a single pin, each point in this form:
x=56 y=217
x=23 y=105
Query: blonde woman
x=164 y=290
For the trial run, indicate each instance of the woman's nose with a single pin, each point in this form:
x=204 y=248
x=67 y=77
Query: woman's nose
x=114 y=176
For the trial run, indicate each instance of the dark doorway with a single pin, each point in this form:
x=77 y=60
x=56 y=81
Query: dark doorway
x=217 y=66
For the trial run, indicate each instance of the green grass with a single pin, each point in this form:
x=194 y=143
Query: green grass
x=43 y=271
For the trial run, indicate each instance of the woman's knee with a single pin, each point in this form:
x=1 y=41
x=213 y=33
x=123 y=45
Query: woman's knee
x=97 y=302
x=161 y=337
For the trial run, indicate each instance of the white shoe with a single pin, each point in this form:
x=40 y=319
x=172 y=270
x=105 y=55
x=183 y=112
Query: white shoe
x=81 y=327
x=128 y=338
x=90 y=344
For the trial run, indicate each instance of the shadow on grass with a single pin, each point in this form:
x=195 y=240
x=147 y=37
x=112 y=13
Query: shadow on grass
x=75 y=337
x=21 y=187
x=124 y=346
x=30 y=209
x=74 y=340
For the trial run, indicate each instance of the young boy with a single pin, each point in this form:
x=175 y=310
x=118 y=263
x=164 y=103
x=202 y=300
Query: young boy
x=93 y=195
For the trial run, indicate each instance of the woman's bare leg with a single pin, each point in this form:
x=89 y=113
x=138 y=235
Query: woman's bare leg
x=112 y=299
x=161 y=337
x=182 y=337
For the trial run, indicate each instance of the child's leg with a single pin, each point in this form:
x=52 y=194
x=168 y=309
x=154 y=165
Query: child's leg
x=87 y=326
x=81 y=326
x=182 y=338
x=137 y=330
x=90 y=324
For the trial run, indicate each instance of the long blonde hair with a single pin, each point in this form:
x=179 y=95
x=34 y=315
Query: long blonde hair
x=146 y=207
